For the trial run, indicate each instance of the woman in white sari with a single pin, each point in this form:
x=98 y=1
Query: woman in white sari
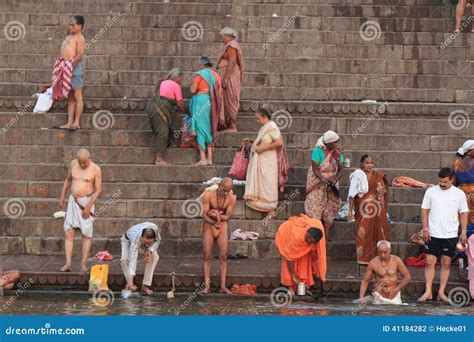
x=268 y=167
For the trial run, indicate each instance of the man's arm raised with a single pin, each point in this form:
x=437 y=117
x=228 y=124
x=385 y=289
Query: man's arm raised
x=66 y=186
x=207 y=207
x=229 y=209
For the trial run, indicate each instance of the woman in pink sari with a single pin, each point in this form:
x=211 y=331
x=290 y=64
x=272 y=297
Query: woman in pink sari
x=322 y=187
x=230 y=67
x=268 y=167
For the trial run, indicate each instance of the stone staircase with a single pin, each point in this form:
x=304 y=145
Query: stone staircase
x=309 y=60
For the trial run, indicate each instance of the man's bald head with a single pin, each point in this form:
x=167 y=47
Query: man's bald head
x=227 y=182
x=225 y=186
x=83 y=158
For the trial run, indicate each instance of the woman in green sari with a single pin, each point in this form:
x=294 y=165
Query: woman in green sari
x=206 y=94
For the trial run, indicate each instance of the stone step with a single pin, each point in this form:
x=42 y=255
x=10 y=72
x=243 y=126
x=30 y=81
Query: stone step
x=184 y=191
x=275 y=93
x=222 y=156
x=299 y=80
x=297 y=123
x=182 y=228
x=123 y=138
x=257 y=35
x=175 y=247
x=111 y=48
x=25 y=63
x=174 y=208
x=52 y=10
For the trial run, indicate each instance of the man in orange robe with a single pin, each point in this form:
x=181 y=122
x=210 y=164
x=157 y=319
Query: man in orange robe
x=302 y=245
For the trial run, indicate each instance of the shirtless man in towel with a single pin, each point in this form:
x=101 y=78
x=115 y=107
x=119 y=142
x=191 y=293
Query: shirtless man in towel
x=386 y=268
x=73 y=49
x=218 y=207
x=85 y=180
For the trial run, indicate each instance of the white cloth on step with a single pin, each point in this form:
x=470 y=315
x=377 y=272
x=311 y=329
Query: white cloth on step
x=239 y=234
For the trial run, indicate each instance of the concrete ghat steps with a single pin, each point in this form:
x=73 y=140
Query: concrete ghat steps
x=180 y=227
x=192 y=247
x=40 y=207
x=223 y=156
x=151 y=173
x=23 y=64
x=122 y=138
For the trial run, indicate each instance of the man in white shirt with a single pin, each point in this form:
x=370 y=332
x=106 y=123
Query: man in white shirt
x=444 y=208
x=146 y=235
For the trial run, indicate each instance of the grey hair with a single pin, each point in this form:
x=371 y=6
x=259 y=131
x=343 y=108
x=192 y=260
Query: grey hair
x=229 y=31
x=384 y=242
x=83 y=153
x=173 y=73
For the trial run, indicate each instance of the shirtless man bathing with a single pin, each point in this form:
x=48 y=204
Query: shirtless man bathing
x=218 y=207
x=72 y=49
x=85 y=180
x=386 y=268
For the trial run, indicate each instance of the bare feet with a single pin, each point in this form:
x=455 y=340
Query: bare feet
x=457 y=31
x=224 y=290
x=426 y=296
x=201 y=163
x=134 y=288
x=65 y=268
x=83 y=270
x=206 y=289
x=443 y=297
x=209 y=162
x=66 y=126
x=147 y=290
x=230 y=129
x=161 y=162
x=291 y=291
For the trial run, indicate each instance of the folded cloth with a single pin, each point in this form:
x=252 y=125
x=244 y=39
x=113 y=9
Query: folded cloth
x=61 y=82
x=104 y=256
x=378 y=299
x=358 y=184
x=244 y=289
x=407 y=182
x=74 y=217
x=240 y=234
x=419 y=261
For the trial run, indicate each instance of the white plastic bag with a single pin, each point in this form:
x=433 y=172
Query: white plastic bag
x=45 y=101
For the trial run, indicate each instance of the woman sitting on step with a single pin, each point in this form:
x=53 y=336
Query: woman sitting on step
x=168 y=95
x=267 y=171
x=204 y=108
x=368 y=195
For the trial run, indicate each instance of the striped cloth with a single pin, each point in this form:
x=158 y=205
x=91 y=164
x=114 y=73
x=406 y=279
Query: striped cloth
x=61 y=81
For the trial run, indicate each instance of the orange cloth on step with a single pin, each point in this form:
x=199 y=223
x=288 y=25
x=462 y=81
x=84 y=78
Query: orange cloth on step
x=308 y=260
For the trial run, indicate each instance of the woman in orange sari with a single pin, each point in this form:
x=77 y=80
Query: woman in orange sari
x=230 y=66
x=368 y=195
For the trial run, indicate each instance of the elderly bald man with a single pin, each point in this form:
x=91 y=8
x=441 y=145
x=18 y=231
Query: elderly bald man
x=85 y=181
x=386 y=268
